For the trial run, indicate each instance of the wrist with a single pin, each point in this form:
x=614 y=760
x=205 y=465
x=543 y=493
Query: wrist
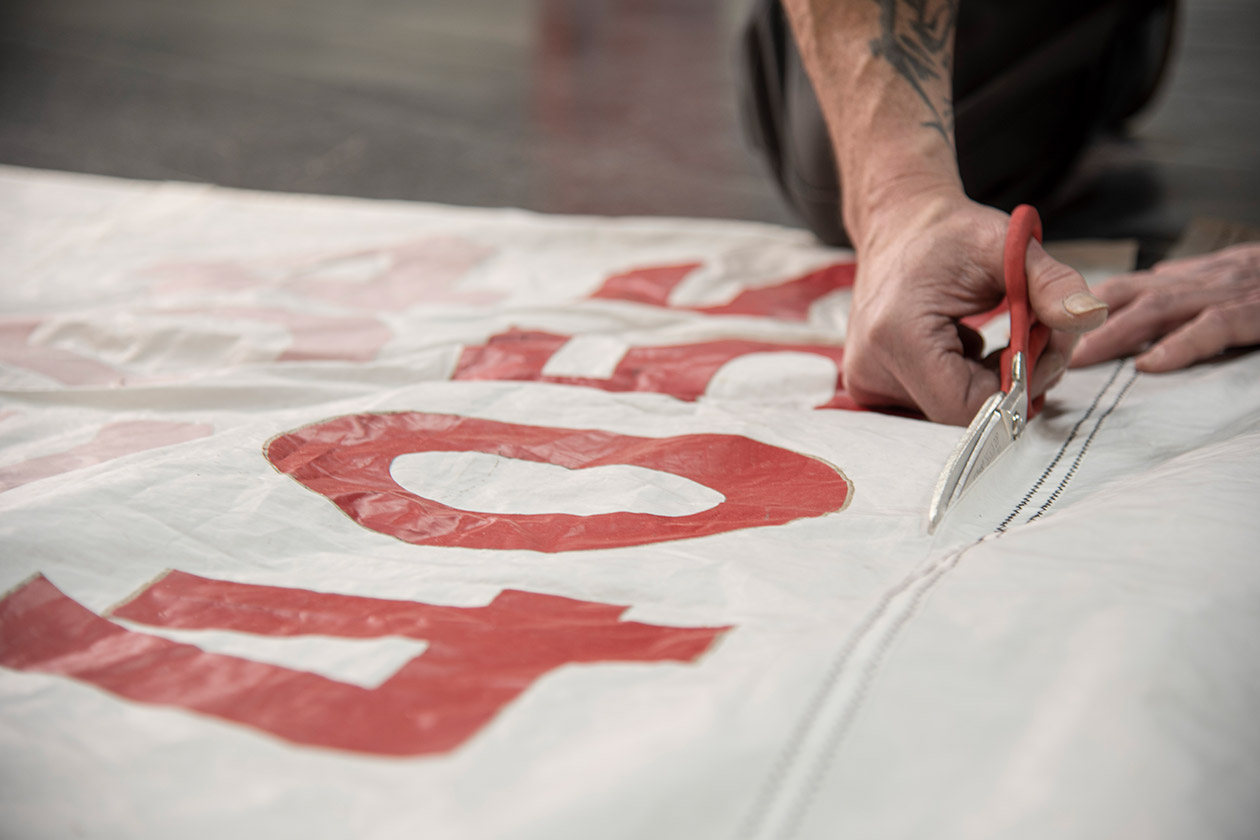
x=909 y=201
x=889 y=175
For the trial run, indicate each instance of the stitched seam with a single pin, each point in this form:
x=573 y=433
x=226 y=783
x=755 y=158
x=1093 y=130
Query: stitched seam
x=1001 y=528
x=841 y=728
x=1084 y=448
x=935 y=574
x=781 y=765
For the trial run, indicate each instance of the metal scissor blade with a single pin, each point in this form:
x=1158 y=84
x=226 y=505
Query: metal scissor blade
x=992 y=431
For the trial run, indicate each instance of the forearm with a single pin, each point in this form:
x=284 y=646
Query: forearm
x=927 y=256
x=882 y=73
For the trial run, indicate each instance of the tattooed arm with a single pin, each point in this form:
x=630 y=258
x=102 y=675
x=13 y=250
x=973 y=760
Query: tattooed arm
x=922 y=56
x=927 y=256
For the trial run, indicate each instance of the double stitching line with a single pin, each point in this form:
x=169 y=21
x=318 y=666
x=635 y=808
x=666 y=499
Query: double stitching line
x=779 y=771
x=1085 y=447
x=930 y=577
x=1032 y=491
x=851 y=709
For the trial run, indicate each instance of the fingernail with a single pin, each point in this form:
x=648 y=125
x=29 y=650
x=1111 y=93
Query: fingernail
x=1083 y=303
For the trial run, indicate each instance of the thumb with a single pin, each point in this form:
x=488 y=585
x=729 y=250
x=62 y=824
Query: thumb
x=1059 y=296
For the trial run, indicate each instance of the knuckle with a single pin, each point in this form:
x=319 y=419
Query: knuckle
x=1237 y=281
x=858 y=368
x=1214 y=321
x=1212 y=331
x=884 y=331
x=1057 y=276
x=1240 y=321
x=861 y=381
x=1214 y=317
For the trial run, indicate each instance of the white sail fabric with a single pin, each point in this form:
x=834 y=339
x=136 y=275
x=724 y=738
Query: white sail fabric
x=335 y=518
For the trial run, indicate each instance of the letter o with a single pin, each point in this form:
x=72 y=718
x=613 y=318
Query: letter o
x=347 y=460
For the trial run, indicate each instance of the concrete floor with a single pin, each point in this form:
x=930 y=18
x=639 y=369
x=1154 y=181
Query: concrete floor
x=586 y=106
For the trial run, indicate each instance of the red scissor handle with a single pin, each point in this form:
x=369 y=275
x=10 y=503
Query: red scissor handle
x=1027 y=336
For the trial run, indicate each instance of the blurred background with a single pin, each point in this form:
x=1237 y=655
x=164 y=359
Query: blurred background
x=571 y=106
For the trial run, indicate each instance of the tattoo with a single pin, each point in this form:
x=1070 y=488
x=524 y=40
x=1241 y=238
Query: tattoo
x=915 y=38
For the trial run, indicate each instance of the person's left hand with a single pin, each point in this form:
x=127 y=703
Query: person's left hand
x=1180 y=312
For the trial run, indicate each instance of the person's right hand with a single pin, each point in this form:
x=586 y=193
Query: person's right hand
x=1180 y=312
x=923 y=266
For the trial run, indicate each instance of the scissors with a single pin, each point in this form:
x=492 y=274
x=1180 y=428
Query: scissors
x=1003 y=417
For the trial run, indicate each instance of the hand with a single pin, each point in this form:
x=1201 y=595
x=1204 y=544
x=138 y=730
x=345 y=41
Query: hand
x=1192 y=309
x=923 y=266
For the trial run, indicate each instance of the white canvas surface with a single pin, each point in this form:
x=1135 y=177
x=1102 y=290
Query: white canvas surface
x=1073 y=654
